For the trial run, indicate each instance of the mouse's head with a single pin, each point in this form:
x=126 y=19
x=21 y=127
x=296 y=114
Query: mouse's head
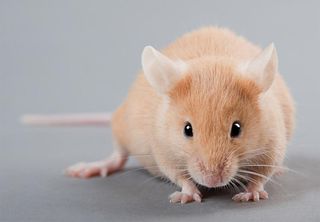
x=211 y=111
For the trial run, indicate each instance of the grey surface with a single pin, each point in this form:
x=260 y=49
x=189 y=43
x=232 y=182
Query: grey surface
x=72 y=56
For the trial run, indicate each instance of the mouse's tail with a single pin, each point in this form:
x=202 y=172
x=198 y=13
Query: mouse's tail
x=81 y=119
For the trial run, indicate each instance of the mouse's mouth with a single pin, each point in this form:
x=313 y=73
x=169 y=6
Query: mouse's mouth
x=210 y=180
x=213 y=178
x=214 y=181
x=214 y=173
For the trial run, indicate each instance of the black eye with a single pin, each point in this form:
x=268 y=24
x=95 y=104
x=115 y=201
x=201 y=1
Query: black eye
x=188 y=130
x=235 y=129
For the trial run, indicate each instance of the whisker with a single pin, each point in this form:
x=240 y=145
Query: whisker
x=150 y=179
x=253 y=155
x=235 y=187
x=126 y=171
x=138 y=155
x=255 y=151
x=249 y=151
x=273 y=166
x=247 y=178
x=259 y=175
x=240 y=183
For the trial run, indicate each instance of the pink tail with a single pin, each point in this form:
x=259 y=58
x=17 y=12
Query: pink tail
x=83 y=119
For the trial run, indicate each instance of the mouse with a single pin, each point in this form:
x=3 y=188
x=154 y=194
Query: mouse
x=210 y=109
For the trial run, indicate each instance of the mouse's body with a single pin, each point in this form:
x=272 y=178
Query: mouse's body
x=212 y=109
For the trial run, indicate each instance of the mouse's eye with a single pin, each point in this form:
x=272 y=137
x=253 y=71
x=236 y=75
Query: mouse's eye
x=188 y=130
x=235 y=129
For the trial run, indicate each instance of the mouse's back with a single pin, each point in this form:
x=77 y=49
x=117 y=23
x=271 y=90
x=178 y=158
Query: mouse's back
x=141 y=115
x=211 y=109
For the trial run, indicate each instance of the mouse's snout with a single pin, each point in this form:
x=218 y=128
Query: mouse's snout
x=212 y=173
x=214 y=177
x=212 y=180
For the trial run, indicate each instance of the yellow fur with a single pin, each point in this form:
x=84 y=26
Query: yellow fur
x=212 y=93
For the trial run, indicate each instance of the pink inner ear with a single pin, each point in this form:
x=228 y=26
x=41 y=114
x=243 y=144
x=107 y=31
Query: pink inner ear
x=263 y=67
x=160 y=71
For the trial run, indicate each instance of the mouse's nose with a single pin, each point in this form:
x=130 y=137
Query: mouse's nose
x=212 y=180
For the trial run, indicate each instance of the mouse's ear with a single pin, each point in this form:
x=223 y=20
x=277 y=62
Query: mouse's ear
x=264 y=67
x=160 y=71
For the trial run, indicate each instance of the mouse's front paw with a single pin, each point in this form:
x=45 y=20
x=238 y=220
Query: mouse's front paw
x=250 y=195
x=181 y=197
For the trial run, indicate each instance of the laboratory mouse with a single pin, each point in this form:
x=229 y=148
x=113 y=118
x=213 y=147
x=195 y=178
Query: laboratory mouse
x=210 y=109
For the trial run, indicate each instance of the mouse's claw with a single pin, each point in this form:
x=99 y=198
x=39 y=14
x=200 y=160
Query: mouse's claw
x=180 y=197
x=87 y=170
x=247 y=196
x=101 y=168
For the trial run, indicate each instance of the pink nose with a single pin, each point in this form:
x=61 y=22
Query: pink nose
x=211 y=181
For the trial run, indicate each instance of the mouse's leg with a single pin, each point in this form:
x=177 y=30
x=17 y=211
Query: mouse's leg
x=255 y=192
x=101 y=168
x=257 y=175
x=113 y=163
x=255 y=187
x=189 y=192
x=168 y=168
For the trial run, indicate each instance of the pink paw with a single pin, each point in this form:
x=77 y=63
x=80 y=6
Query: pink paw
x=180 y=197
x=247 y=196
x=87 y=170
x=101 y=168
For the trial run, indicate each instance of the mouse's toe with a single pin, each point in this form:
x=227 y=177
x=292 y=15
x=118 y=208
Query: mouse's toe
x=87 y=170
x=180 y=197
x=101 y=168
x=253 y=196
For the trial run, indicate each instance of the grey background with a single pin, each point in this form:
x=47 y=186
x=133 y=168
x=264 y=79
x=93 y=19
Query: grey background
x=82 y=56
